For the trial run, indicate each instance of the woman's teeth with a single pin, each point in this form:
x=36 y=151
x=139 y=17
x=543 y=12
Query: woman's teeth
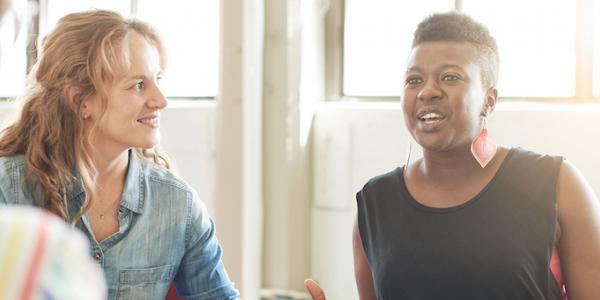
x=431 y=117
x=153 y=122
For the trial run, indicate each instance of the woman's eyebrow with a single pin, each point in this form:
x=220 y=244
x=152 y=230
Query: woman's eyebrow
x=452 y=66
x=143 y=77
x=413 y=69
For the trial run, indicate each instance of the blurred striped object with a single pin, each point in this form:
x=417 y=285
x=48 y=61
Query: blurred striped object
x=41 y=257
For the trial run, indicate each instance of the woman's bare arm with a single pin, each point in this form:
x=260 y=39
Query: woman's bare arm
x=362 y=272
x=579 y=244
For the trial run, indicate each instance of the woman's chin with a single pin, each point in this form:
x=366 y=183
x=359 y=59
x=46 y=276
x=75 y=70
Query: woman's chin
x=148 y=144
x=432 y=144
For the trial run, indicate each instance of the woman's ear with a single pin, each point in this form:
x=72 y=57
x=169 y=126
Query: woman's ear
x=491 y=98
x=72 y=96
x=76 y=102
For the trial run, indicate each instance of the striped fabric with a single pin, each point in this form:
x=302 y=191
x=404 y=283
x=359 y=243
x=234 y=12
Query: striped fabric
x=42 y=258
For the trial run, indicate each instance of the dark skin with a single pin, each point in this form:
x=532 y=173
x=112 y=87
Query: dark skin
x=444 y=77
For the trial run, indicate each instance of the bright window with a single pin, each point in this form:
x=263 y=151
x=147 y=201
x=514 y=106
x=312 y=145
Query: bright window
x=192 y=42
x=13 y=43
x=537 y=40
x=377 y=39
x=596 y=18
x=56 y=9
x=190 y=31
x=536 y=44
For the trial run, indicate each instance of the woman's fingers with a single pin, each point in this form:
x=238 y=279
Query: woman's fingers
x=314 y=289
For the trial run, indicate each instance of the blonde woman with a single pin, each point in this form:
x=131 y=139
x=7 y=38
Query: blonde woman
x=84 y=149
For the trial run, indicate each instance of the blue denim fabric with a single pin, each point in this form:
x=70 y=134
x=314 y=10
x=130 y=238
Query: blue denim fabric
x=165 y=235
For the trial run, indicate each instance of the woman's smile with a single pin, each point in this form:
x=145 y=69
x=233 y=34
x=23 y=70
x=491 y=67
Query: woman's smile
x=430 y=119
x=152 y=121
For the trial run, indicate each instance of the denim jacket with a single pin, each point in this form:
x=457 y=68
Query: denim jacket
x=165 y=234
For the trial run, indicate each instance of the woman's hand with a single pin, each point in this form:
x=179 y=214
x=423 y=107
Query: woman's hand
x=316 y=292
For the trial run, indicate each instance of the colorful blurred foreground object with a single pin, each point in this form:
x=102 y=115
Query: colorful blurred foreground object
x=41 y=257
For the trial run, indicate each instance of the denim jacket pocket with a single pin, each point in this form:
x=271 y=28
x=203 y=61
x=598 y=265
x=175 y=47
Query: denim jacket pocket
x=147 y=283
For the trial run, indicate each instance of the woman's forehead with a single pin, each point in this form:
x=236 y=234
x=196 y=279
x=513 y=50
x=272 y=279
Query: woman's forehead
x=138 y=54
x=444 y=53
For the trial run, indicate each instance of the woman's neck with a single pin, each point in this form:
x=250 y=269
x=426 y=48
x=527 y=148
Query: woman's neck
x=110 y=168
x=448 y=165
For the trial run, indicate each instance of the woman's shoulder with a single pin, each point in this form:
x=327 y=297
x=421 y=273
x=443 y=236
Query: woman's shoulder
x=14 y=160
x=162 y=177
x=164 y=181
x=530 y=173
x=528 y=160
x=11 y=168
x=390 y=179
x=11 y=165
x=531 y=155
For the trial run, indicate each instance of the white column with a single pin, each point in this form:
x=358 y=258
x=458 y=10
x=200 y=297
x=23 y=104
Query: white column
x=238 y=184
x=293 y=83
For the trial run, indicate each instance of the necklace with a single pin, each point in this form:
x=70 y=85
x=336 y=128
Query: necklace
x=110 y=193
x=102 y=215
x=103 y=212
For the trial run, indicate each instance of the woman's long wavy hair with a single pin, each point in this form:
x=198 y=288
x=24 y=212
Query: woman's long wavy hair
x=84 y=51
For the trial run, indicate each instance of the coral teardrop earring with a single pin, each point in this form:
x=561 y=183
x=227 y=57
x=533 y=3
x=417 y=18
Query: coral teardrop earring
x=483 y=147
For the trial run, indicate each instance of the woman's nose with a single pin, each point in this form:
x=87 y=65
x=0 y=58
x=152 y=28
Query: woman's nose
x=430 y=91
x=157 y=98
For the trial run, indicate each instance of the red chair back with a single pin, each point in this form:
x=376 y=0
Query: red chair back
x=557 y=272
x=172 y=294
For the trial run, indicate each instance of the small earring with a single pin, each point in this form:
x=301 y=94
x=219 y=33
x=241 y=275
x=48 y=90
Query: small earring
x=483 y=147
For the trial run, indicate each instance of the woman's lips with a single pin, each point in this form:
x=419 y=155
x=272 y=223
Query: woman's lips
x=430 y=119
x=152 y=122
x=430 y=124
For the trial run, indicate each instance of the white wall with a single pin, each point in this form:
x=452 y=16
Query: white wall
x=7 y=113
x=356 y=141
x=187 y=136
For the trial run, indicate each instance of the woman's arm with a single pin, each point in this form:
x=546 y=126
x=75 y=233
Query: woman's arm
x=362 y=272
x=201 y=274
x=579 y=244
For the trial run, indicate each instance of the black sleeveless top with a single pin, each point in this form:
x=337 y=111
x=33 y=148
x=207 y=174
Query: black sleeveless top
x=495 y=246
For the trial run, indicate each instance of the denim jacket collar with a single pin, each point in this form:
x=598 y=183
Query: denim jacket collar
x=132 y=197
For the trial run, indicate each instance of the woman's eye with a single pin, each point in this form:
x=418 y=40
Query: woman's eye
x=450 y=77
x=139 y=85
x=413 y=81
